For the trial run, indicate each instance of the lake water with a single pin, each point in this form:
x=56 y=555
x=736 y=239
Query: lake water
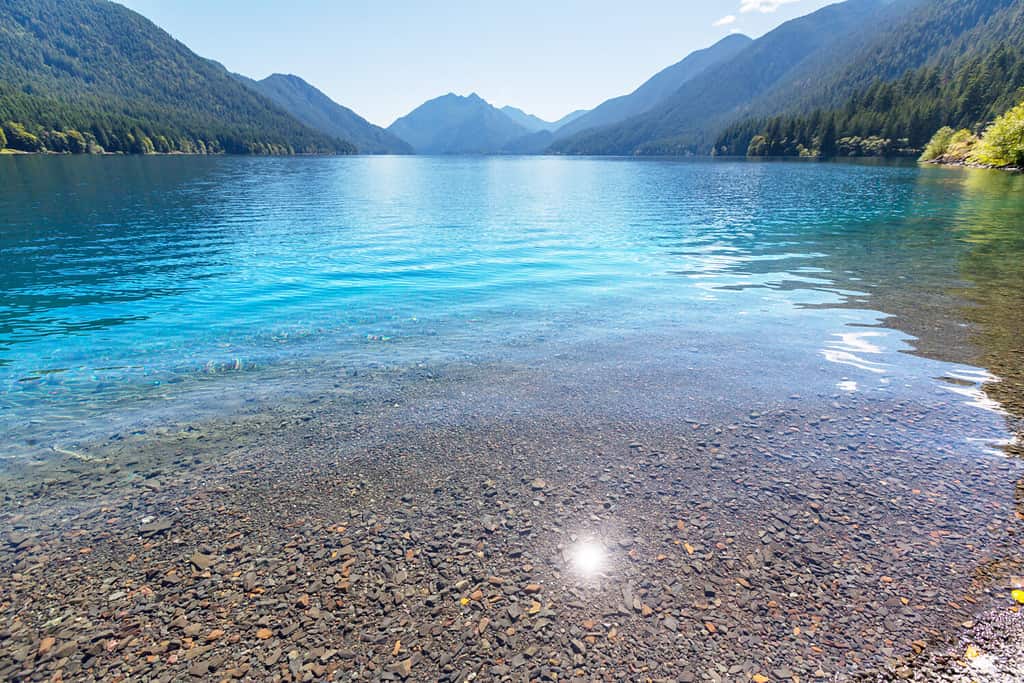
x=137 y=289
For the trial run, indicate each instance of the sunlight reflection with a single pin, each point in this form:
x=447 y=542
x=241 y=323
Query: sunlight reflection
x=975 y=392
x=588 y=558
x=846 y=358
x=984 y=664
x=849 y=347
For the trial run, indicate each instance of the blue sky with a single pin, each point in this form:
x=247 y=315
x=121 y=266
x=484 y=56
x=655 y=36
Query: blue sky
x=383 y=58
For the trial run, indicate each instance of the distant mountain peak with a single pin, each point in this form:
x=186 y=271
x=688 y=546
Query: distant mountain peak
x=452 y=95
x=736 y=37
x=457 y=124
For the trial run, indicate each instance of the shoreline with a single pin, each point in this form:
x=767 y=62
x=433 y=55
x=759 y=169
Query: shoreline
x=409 y=534
x=955 y=163
x=47 y=153
x=707 y=157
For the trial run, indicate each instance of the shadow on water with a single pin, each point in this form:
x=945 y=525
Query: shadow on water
x=944 y=263
x=955 y=280
x=990 y=225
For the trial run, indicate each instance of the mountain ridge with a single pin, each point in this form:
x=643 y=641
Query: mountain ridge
x=95 y=74
x=687 y=121
x=318 y=111
x=967 y=69
x=658 y=87
x=92 y=75
x=535 y=123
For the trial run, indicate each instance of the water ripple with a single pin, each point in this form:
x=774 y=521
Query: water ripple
x=163 y=270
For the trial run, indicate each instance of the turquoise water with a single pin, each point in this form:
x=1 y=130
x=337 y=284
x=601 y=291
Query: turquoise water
x=130 y=283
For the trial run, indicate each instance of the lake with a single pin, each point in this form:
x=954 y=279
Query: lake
x=843 y=334
x=133 y=282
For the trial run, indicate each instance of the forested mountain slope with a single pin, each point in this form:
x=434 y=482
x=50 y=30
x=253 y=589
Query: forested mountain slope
x=82 y=75
x=935 y=33
x=688 y=121
x=318 y=111
x=657 y=88
x=956 y=63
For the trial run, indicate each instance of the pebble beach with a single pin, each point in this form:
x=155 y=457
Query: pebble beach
x=514 y=523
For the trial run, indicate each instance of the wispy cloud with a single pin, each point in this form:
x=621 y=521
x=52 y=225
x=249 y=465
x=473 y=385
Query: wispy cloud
x=762 y=6
x=726 y=20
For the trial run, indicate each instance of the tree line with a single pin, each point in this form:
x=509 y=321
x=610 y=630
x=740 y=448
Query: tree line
x=38 y=124
x=890 y=118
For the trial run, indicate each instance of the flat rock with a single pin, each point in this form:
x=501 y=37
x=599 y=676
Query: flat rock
x=157 y=526
x=202 y=561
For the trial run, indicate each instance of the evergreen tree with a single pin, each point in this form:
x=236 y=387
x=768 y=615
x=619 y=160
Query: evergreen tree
x=827 y=139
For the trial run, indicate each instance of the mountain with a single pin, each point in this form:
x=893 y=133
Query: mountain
x=453 y=124
x=659 y=87
x=321 y=113
x=533 y=123
x=663 y=84
x=800 y=51
x=80 y=75
x=917 y=34
x=542 y=132
x=532 y=143
x=951 y=63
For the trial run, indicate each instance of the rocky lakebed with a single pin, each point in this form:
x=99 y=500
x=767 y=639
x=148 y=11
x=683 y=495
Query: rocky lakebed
x=491 y=524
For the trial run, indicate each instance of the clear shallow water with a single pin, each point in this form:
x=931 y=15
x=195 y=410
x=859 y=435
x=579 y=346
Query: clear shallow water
x=131 y=284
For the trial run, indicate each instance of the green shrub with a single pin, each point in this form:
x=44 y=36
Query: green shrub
x=875 y=146
x=856 y=146
x=20 y=139
x=961 y=145
x=1003 y=141
x=758 y=146
x=54 y=141
x=938 y=145
x=963 y=136
x=77 y=143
